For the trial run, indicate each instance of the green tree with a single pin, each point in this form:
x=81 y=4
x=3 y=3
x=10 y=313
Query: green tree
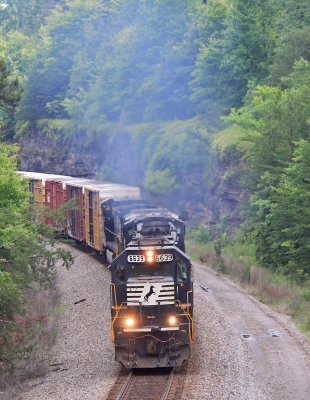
x=27 y=254
x=24 y=255
x=294 y=36
x=18 y=51
x=270 y=123
x=25 y=16
x=10 y=93
x=284 y=243
x=63 y=63
x=208 y=86
x=249 y=41
x=143 y=69
x=266 y=130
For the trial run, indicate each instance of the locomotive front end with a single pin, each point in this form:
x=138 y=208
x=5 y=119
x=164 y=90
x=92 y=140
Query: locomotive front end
x=152 y=306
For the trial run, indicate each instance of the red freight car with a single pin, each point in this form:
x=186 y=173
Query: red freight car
x=76 y=215
x=55 y=196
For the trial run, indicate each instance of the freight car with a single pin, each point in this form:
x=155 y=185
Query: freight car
x=151 y=288
x=85 y=221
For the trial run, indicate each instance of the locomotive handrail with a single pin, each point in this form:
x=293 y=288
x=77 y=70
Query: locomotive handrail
x=190 y=317
x=188 y=305
x=117 y=311
x=114 y=319
x=185 y=309
x=113 y=284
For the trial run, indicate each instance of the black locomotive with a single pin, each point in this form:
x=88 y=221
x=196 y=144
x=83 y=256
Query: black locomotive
x=151 y=289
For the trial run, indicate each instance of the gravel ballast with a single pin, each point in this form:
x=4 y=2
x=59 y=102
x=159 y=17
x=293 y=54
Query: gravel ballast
x=81 y=364
x=219 y=367
x=234 y=352
x=243 y=349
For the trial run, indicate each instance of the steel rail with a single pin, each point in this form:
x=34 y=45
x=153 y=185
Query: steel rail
x=125 y=387
x=168 y=386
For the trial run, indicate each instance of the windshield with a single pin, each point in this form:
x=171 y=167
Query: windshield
x=150 y=269
x=181 y=272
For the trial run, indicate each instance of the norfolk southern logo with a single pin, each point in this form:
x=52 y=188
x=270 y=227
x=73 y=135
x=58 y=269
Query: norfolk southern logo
x=146 y=297
x=150 y=293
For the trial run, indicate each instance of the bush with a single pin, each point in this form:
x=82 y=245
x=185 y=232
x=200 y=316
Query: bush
x=201 y=233
x=26 y=252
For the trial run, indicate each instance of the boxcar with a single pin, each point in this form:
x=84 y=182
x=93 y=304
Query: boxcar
x=76 y=213
x=95 y=194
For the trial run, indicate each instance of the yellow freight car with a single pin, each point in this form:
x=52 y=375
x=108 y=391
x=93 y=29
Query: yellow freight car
x=37 y=185
x=95 y=194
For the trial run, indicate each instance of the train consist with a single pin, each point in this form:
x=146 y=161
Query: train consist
x=151 y=288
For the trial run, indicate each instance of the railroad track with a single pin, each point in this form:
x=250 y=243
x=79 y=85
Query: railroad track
x=161 y=384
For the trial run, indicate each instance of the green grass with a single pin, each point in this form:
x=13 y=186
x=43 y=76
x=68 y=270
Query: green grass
x=237 y=262
x=57 y=310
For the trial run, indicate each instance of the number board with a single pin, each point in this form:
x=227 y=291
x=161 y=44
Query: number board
x=139 y=258
x=163 y=257
x=136 y=258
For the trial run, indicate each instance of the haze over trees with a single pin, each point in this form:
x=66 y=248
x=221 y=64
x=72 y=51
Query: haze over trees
x=160 y=75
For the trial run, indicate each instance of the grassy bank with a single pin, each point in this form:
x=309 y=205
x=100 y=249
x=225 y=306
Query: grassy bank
x=278 y=291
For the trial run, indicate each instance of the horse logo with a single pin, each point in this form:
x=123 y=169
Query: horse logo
x=146 y=297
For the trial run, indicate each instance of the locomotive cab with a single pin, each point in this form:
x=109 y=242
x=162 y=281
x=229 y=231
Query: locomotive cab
x=152 y=306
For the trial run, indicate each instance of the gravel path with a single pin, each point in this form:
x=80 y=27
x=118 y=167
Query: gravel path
x=241 y=350
x=81 y=364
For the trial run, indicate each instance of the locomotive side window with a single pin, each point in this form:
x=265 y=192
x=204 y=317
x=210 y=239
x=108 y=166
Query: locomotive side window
x=181 y=272
x=120 y=273
x=153 y=270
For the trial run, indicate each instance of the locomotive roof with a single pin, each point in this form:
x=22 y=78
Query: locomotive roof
x=151 y=213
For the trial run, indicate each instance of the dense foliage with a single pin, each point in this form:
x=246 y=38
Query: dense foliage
x=26 y=252
x=272 y=131
x=150 y=79
x=10 y=93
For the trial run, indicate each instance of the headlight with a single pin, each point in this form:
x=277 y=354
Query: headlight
x=150 y=256
x=129 y=322
x=172 y=320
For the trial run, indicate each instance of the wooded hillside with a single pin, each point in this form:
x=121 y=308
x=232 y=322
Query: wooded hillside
x=181 y=83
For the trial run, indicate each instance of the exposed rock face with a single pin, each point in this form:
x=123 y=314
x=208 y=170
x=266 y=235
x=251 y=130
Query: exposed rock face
x=43 y=154
x=202 y=198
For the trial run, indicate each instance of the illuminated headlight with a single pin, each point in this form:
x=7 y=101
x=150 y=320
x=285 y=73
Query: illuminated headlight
x=172 y=320
x=129 y=322
x=150 y=256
